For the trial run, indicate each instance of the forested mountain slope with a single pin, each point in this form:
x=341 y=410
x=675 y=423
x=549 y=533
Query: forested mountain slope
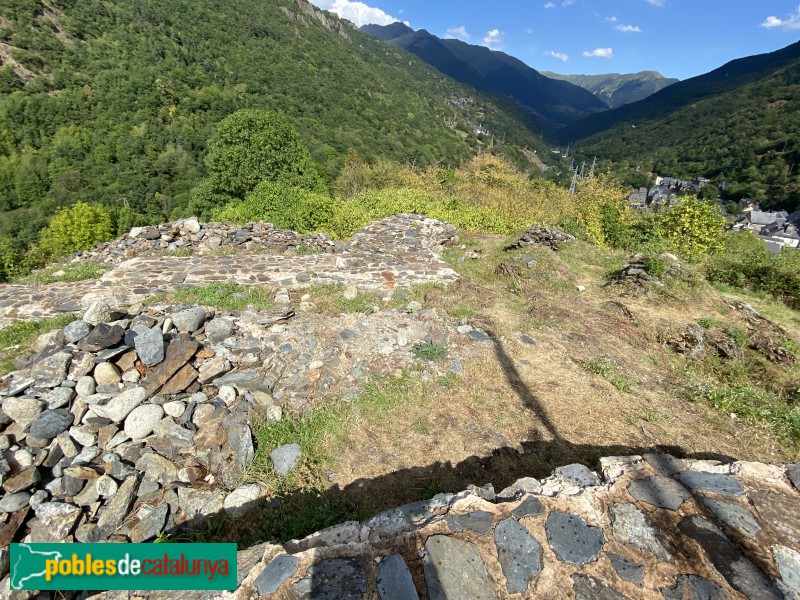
x=738 y=123
x=554 y=103
x=114 y=101
x=618 y=90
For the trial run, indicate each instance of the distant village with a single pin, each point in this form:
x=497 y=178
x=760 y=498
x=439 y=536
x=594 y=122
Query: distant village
x=778 y=229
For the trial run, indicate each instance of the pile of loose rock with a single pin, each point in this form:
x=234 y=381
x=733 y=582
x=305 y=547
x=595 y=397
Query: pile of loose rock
x=129 y=423
x=193 y=236
x=541 y=236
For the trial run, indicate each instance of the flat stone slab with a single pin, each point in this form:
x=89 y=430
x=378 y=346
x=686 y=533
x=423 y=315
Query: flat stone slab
x=659 y=491
x=394 y=580
x=454 y=569
x=728 y=559
x=572 y=539
x=691 y=586
x=278 y=570
x=719 y=483
x=530 y=507
x=631 y=526
x=519 y=554
x=734 y=516
x=479 y=522
x=627 y=569
x=577 y=474
x=333 y=579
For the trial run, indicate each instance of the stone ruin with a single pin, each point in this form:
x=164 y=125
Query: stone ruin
x=133 y=420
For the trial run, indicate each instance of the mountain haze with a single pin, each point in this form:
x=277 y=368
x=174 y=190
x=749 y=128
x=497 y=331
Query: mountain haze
x=554 y=103
x=617 y=90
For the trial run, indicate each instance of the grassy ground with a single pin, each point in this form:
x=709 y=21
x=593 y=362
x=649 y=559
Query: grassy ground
x=80 y=271
x=223 y=296
x=568 y=378
x=15 y=340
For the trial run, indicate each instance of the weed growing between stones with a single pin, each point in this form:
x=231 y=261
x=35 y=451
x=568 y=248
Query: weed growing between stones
x=430 y=351
x=15 y=339
x=79 y=271
x=223 y=296
x=608 y=370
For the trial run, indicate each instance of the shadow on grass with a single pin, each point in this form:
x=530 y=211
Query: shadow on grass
x=297 y=514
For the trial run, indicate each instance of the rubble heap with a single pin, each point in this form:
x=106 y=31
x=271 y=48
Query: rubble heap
x=541 y=236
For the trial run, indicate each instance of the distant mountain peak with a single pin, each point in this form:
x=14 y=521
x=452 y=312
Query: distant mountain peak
x=551 y=102
x=618 y=89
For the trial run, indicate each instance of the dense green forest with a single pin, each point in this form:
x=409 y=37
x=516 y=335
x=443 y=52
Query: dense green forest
x=737 y=124
x=113 y=102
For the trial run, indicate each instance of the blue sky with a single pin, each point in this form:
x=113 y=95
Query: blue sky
x=679 y=38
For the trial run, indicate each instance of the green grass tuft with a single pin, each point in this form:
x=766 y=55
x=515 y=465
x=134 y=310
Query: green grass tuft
x=223 y=296
x=430 y=351
x=15 y=339
x=79 y=271
x=610 y=371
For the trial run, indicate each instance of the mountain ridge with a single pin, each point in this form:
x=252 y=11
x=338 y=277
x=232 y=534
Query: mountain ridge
x=554 y=103
x=618 y=89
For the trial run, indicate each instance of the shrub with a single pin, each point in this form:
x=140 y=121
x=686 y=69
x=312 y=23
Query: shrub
x=694 y=229
x=282 y=205
x=745 y=262
x=78 y=227
x=351 y=215
x=601 y=210
x=251 y=146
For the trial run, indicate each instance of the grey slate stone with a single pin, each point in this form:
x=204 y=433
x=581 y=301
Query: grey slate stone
x=333 y=579
x=659 y=491
x=572 y=540
x=632 y=526
x=665 y=464
x=690 y=587
x=734 y=516
x=519 y=554
x=50 y=423
x=728 y=559
x=627 y=569
x=793 y=471
x=530 y=507
x=348 y=334
x=590 y=588
x=285 y=458
x=719 y=483
x=478 y=336
x=279 y=569
x=51 y=370
x=480 y=522
x=150 y=525
x=577 y=474
x=115 y=511
x=788 y=563
x=149 y=344
x=76 y=331
x=59 y=396
x=13 y=502
x=241 y=440
x=454 y=569
x=394 y=580
x=189 y=320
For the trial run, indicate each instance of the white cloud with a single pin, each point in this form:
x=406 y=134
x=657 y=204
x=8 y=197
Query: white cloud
x=656 y=2
x=457 y=33
x=550 y=5
x=493 y=39
x=357 y=12
x=791 y=23
x=628 y=28
x=562 y=56
x=600 y=53
x=568 y=2
x=612 y=19
x=529 y=30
